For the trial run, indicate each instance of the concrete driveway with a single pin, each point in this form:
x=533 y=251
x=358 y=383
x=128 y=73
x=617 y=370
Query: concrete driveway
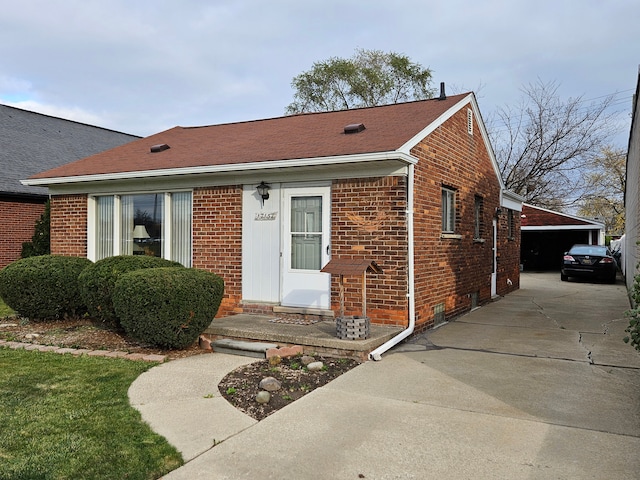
x=537 y=385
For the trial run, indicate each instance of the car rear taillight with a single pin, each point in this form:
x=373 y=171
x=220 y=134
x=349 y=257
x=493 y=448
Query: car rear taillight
x=606 y=260
x=569 y=258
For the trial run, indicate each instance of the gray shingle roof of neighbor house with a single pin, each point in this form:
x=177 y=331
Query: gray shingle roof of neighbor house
x=305 y=136
x=31 y=142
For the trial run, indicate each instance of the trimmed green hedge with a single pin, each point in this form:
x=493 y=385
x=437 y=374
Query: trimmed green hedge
x=44 y=287
x=98 y=281
x=167 y=307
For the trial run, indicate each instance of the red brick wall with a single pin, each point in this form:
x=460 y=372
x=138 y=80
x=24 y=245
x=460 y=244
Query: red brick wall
x=508 y=253
x=69 y=225
x=449 y=270
x=368 y=220
x=534 y=217
x=217 y=239
x=18 y=220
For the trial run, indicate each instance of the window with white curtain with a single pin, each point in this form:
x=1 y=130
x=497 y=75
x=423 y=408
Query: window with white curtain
x=181 y=227
x=104 y=227
x=154 y=224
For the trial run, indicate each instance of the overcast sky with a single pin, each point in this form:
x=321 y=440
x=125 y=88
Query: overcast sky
x=143 y=66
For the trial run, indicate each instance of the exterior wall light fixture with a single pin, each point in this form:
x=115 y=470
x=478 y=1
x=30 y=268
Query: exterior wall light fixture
x=263 y=191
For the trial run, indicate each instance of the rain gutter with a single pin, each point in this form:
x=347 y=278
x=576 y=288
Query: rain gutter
x=377 y=353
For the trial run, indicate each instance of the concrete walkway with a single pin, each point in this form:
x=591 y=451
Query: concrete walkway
x=537 y=385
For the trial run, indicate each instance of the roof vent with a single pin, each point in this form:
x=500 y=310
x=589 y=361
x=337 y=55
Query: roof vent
x=443 y=96
x=160 y=148
x=354 y=128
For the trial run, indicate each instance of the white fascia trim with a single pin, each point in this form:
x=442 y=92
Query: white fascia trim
x=562 y=227
x=468 y=100
x=237 y=167
x=511 y=200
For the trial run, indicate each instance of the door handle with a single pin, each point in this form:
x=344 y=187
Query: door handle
x=329 y=249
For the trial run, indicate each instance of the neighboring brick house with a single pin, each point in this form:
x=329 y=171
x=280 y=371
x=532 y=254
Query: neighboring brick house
x=547 y=234
x=29 y=143
x=412 y=186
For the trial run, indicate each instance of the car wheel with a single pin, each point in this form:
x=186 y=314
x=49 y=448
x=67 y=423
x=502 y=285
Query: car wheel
x=563 y=277
x=612 y=279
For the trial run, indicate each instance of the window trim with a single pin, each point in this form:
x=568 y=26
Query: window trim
x=448 y=210
x=92 y=217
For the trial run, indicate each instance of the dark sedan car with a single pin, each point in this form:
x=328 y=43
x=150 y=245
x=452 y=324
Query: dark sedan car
x=589 y=261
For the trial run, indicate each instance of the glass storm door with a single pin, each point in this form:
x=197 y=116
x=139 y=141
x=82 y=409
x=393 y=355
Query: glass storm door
x=306 y=247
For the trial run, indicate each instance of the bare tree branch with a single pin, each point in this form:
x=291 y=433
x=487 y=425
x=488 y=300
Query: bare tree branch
x=545 y=144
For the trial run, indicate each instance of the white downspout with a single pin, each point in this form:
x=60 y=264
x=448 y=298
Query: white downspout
x=376 y=354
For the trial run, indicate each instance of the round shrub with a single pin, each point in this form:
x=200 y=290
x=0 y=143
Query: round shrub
x=44 y=287
x=98 y=281
x=167 y=307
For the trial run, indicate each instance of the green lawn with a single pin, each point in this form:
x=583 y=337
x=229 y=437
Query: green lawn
x=65 y=417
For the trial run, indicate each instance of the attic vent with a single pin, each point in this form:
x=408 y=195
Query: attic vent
x=160 y=148
x=469 y=121
x=354 y=128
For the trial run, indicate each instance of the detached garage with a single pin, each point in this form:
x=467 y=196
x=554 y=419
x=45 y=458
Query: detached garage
x=546 y=235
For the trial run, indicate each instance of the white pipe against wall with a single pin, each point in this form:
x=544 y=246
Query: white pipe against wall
x=377 y=353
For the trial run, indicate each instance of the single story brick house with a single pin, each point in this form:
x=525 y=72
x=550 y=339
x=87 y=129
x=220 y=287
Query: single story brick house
x=29 y=143
x=266 y=204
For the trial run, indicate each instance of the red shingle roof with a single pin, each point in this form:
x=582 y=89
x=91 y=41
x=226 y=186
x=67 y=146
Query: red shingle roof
x=315 y=135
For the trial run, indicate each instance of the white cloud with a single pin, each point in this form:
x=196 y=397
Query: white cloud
x=148 y=65
x=70 y=113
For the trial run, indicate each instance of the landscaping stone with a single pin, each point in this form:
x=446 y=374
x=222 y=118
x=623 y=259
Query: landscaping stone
x=315 y=366
x=270 y=384
x=98 y=353
x=154 y=358
x=263 y=397
x=47 y=348
x=66 y=350
x=284 y=351
x=116 y=354
x=307 y=359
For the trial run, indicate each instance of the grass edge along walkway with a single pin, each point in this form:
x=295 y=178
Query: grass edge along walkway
x=80 y=351
x=69 y=417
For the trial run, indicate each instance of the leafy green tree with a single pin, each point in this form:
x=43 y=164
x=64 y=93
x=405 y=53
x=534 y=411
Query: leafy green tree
x=604 y=193
x=368 y=79
x=40 y=243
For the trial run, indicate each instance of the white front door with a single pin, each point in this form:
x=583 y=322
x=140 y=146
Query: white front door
x=306 y=247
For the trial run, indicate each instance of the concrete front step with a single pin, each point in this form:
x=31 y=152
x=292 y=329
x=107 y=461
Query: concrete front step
x=239 y=347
